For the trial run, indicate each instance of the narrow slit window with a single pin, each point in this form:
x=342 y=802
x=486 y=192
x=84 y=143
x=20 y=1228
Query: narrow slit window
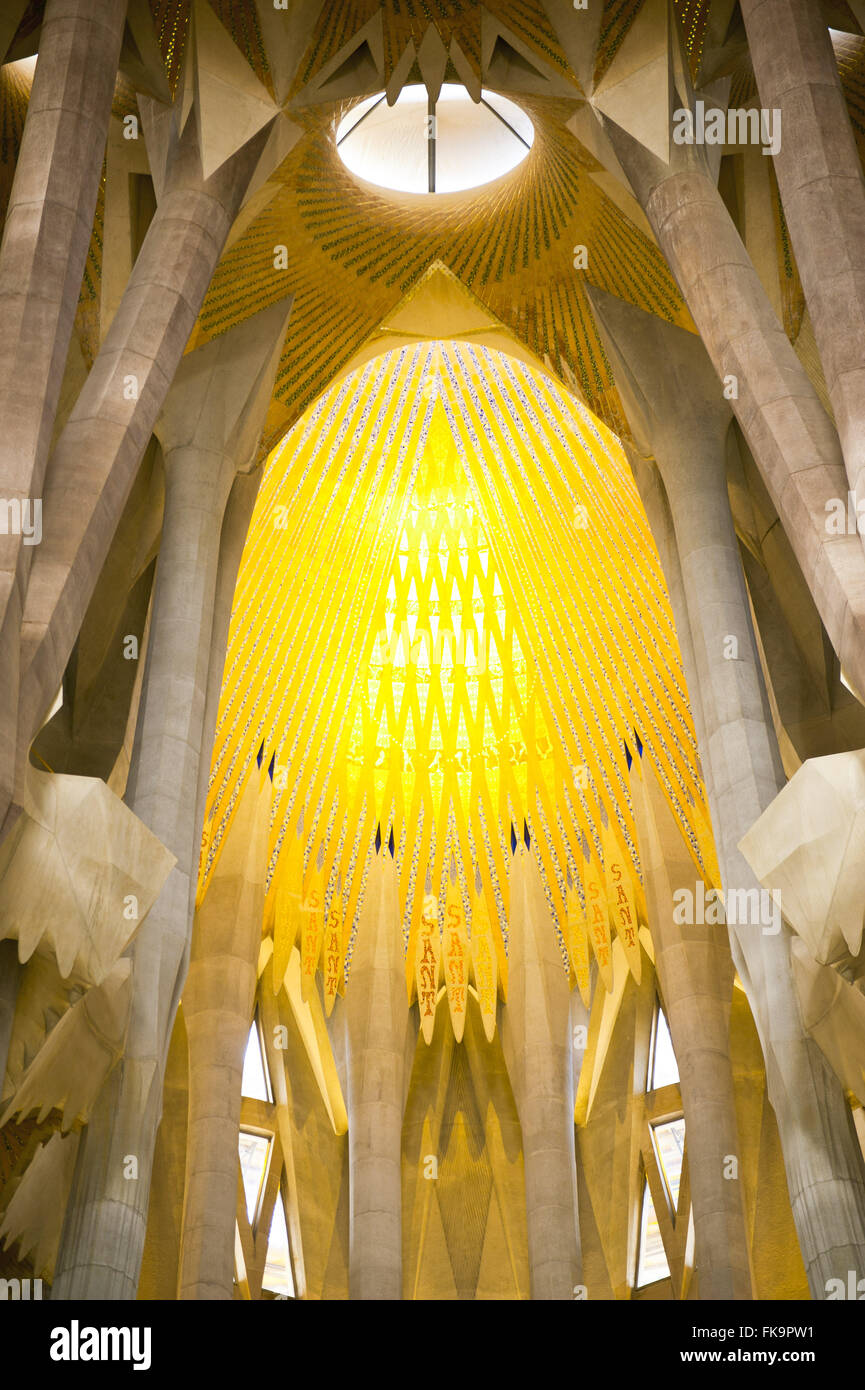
x=651 y=1256
x=663 y=1068
x=255 y=1082
x=278 y=1277
x=254 y=1152
x=668 y=1140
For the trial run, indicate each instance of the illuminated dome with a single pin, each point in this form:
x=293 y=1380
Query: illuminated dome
x=477 y=662
x=443 y=146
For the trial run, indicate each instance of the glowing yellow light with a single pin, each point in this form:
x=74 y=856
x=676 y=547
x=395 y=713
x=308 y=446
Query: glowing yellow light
x=424 y=639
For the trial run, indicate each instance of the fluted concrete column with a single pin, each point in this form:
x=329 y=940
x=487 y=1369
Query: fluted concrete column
x=538 y=1047
x=235 y=526
x=823 y=191
x=218 y=1000
x=665 y=367
x=789 y=434
x=824 y=1168
x=103 y=1238
x=211 y=423
x=45 y=240
x=49 y=222
x=94 y=461
x=375 y=1019
x=654 y=499
x=695 y=972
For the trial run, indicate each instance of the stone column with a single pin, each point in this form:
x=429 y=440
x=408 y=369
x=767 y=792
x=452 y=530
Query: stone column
x=789 y=434
x=538 y=1047
x=235 y=526
x=696 y=978
x=218 y=1001
x=666 y=366
x=657 y=509
x=376 y=1022
x=820 y=178
x=96 y=457
x=210 y=425
x=47 y=232
x=103 y=1238
x=45 y=240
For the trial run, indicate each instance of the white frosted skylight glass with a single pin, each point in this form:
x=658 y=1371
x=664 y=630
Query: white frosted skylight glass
x=474 y=142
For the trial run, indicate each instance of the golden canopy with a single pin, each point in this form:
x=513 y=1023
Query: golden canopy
x=451 y=629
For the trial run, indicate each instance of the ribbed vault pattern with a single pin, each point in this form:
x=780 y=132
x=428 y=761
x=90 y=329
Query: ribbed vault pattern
x=351 y=253
x=451 y=624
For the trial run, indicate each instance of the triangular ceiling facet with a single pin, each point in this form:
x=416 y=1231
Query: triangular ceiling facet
x=232 y=104
x=635 y=92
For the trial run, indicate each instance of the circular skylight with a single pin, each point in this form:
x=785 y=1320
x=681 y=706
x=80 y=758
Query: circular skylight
x=417 y=147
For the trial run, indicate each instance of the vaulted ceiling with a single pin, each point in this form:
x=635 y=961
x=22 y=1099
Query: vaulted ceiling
x=354 y=251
